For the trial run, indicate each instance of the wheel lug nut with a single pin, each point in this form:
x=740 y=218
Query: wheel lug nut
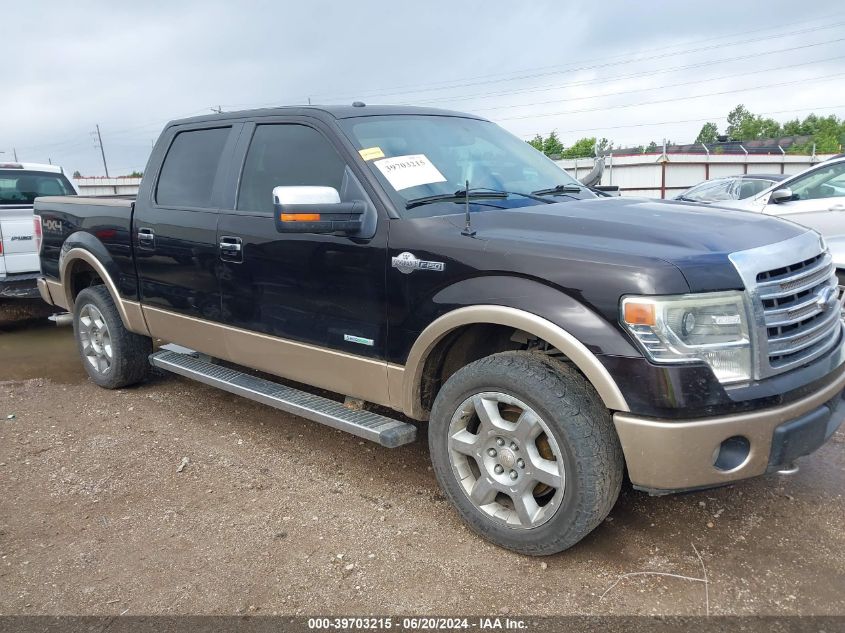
x=500 y=441
x=514 y=474
x=520 y=463
x=491 y=452
x=499 y=470
x=514 y=446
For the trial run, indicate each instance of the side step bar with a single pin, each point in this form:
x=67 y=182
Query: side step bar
x=366 y=424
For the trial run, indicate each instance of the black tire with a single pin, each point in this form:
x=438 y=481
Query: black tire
x=129 y=352
x=580 y=425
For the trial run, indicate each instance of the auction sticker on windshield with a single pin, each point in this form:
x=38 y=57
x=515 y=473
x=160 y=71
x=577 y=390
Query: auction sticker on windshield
x=413 y=170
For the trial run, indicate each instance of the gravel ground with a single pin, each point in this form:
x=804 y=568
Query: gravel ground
x=275 y=514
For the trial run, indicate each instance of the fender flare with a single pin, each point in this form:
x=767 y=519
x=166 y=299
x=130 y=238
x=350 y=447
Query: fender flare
x=575 y=350
x=129 y=311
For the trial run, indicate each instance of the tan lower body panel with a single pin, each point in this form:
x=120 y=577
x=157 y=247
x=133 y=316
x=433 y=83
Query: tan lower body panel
x=674 y=455
x=52 y=292
x=346 y=374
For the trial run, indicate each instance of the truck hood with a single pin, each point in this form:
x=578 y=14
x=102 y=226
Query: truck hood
x=694 y=238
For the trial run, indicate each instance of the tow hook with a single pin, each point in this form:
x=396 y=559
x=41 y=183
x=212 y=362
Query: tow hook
x=789 y=469
x=65 y=318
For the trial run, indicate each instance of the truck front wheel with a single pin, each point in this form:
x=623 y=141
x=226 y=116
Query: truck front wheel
x=113 y=356
x=525 y=449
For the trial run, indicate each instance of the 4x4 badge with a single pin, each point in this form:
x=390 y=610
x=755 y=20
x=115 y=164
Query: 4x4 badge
x=407 y=263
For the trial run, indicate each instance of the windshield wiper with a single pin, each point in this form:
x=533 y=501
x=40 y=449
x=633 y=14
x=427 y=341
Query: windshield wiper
x=459 y=196
x=569 y=188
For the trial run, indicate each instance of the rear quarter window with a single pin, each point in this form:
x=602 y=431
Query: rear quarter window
x=190 y=167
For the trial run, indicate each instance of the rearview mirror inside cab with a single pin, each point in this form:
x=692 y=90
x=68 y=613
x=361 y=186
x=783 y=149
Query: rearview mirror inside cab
x=304 y=209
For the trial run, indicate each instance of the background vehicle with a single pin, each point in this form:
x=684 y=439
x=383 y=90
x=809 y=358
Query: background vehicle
x=814 y=197
x=552 y=340
x=20 y=183
x=730 y=188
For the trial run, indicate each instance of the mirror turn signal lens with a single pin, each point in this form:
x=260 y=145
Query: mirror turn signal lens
x=639 y=313
x=300 y=217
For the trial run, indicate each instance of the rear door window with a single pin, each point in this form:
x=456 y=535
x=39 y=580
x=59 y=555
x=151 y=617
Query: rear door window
x=190 y=167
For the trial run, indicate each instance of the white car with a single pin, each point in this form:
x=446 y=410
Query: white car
x=20 y=184
x=814 y=197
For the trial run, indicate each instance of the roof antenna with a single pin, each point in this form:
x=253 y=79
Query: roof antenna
x=467 y=227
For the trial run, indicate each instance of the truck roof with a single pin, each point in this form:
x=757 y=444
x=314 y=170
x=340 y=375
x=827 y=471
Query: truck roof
x=335 y=111
x=31 y=166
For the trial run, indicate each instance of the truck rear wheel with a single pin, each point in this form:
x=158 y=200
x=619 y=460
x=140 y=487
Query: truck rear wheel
x=113 y=356
x=525 y=449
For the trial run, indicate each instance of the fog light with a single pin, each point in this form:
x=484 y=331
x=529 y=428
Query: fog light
x=732 y=453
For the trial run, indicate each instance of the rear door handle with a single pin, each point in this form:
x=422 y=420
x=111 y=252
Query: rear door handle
x=231 y=249
x=146 y=238
x=837 y=207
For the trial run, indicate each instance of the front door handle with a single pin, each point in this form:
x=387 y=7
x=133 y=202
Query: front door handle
x=231 y=248
x=837 y=207
x=146 y=238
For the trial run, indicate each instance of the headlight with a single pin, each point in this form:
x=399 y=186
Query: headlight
x=710 y=328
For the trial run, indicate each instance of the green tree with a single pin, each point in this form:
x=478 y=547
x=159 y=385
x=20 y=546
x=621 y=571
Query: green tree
x=536 y=142
x=581 y=148
x=737 y=119
x=651 y=147
x=708 y=134
x=552 y=145
x=76 y=174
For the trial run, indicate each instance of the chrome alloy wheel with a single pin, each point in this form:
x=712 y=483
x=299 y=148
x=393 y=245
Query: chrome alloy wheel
x=95 y=338
x=506 y=460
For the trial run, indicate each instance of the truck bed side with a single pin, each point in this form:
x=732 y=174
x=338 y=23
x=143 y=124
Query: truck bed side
x=99 y=226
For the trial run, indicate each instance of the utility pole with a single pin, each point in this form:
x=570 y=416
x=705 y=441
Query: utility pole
x=102 y=151
x=15 y=152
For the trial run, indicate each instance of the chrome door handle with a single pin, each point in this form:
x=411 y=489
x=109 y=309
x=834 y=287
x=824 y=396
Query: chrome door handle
x=230 y=249
x=146 y=238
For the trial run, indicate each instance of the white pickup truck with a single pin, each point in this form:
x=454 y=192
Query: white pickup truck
x=20 y=184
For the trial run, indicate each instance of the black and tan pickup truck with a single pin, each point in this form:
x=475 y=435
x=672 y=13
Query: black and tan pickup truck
x=429 y=263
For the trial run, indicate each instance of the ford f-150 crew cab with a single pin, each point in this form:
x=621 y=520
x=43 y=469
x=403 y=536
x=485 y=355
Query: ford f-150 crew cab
x=430 y=263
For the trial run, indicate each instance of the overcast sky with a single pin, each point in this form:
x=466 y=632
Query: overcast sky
x=619 y=69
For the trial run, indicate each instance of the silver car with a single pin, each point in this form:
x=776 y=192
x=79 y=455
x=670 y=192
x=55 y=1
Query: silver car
x=814 y=197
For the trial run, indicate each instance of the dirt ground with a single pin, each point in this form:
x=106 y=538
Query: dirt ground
x=275 y=514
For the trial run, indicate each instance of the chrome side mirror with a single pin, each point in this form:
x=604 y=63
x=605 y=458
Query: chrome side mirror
x=304 y=209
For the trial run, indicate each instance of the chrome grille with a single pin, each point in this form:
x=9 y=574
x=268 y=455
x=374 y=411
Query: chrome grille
x=796 y=307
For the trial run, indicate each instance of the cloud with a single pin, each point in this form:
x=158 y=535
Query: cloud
x=533 y=66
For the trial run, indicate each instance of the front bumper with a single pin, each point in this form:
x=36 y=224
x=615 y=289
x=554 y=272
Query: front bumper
x=666 y=456
x=19 y=286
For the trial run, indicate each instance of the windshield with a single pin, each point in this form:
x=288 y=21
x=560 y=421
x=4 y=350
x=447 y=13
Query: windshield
x=419 y=156
x=22 y=187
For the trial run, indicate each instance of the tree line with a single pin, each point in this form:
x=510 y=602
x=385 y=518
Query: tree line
x=827 y=133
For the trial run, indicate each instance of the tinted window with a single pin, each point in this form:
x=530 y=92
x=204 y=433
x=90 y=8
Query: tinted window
x=286 y=155
x=22 y=187
x=187 y=176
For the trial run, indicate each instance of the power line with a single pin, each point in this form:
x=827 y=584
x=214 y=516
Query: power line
x=662 y=87
x=627 y=60
x=603 y=80
x=642 y=103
